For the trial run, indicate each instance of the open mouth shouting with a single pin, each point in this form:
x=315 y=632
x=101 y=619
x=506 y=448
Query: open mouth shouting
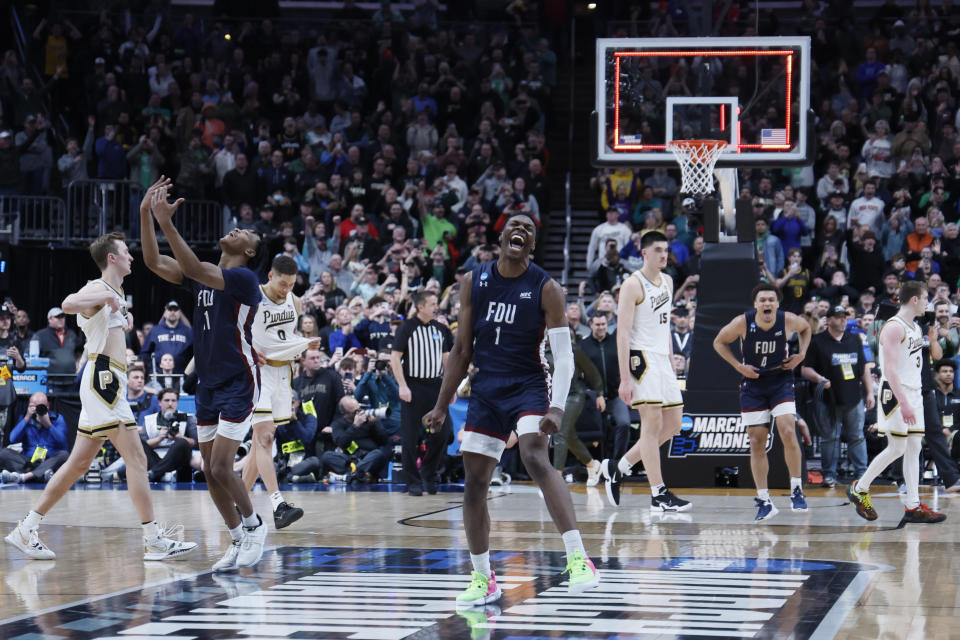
x=517 y=240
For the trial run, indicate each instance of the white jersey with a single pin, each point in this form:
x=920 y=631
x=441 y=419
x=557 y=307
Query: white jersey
x=651 y=317
x=910 y=355
x=274 y=326
x=97 y=327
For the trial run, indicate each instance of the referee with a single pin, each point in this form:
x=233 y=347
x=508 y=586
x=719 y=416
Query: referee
x=419 y=357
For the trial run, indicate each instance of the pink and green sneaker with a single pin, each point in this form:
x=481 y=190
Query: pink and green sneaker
x=482 y=590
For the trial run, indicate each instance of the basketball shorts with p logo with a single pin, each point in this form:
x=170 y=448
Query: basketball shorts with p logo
x=654 y=381
x=103 y=398
x=889 y=417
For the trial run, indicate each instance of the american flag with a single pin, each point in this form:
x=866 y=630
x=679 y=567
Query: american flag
x=773 y=136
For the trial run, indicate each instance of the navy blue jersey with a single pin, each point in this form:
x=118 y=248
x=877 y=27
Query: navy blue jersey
x=223 y=327
x=508 y=321
x=765 y=350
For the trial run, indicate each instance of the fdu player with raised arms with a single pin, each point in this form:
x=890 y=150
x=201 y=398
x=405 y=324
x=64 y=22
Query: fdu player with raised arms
x=506 y=306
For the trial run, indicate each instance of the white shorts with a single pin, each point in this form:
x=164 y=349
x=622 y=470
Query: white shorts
x=762 y=418
x=276 y=395
x=226 y=428
x=889 y=419
x=103 y=398
x=476 y=442
x=654 y=381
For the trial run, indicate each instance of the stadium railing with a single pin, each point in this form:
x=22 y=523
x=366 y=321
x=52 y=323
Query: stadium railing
x=34 y=218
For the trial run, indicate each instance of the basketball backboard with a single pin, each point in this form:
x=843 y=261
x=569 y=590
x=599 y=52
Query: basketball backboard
x=753 y=93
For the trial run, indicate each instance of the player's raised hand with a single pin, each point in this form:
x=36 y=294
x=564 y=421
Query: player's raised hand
x=550 y=423
x=749 y=371
x=162 y=209
x=434 y=420
x=626 y=391
x=148 y=195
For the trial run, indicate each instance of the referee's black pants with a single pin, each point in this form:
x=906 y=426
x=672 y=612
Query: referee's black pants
x=423 y=397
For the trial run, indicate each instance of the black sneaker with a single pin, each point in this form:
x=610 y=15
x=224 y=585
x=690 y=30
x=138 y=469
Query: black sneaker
x=415 y=490
x=613 y=479
x=431 y=487
x=286 y=514
x=666 y=501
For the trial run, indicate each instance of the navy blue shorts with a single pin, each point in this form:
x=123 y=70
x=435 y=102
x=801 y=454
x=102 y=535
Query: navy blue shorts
x=498 y=403
x=765 y=398
x=227 y=408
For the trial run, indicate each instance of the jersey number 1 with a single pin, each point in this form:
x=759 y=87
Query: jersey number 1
x=206 y=321
x=496 y=340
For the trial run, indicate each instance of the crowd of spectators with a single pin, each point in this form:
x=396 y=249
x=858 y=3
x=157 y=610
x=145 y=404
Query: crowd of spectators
x=381 y=150
x=877 y=206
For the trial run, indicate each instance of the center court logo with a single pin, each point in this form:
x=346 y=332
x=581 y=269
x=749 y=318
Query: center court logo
x=709 y=434
x=394 y=594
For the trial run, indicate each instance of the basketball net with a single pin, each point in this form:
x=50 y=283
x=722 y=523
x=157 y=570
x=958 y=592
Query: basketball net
x=697 y=159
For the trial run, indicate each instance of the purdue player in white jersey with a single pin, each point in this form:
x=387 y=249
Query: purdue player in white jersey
x=900 y=408
x=275 y=340
x=647 y=380
x=105 y=413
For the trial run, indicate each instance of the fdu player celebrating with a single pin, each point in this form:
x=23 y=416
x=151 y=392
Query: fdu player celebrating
x=505 y=306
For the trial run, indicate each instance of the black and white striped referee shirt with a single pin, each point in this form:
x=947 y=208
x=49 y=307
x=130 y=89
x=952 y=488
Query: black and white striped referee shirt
x=422 y=346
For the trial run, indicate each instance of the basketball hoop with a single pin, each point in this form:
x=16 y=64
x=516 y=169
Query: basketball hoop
x=697 y=159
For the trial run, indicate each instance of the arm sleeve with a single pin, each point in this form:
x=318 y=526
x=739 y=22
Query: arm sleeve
x=562 y=366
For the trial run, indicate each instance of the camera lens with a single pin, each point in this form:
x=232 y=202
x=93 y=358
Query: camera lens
x=42 y=410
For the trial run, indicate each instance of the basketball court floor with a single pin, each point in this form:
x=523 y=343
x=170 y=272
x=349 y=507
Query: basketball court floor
x=376 y=564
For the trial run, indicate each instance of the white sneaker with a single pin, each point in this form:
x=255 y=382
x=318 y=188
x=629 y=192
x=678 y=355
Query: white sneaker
x=11 y=477
x=593 y=473
x=29 y=543
x=229 y=560
x=251 y=550
x=170 y=476
x=168 y=544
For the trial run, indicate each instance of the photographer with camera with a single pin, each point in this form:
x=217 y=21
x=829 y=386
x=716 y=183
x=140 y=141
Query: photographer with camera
x=168 y=439
x=43 y=436
x=361 y=440
x=378 y=388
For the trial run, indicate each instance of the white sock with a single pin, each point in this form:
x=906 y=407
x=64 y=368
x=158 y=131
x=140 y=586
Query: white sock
x=658 y=489
x=573 y=542
x=624 y=466
x=236 y=534
x=251 y=521
x=32 y=521
x=764 y=494
x=796 y=483
x=481 y=563
x=150 y=530
x=276 y=499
